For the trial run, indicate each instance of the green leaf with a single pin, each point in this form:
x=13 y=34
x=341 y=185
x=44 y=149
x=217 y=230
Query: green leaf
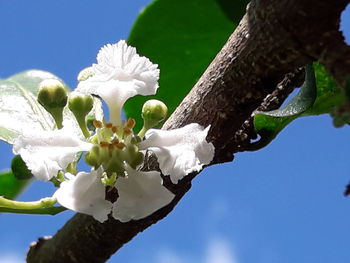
x=183 y=37
x=19 y=110
x=318 y=95
x=269 y=124
x=329 y=93
x=20 y=169
x=10 y=187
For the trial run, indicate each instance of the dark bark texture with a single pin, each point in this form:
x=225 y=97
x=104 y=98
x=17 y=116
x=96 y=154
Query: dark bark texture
x=257 y=67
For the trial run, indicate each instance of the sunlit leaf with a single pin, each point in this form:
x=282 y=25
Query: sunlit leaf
x=19 y=110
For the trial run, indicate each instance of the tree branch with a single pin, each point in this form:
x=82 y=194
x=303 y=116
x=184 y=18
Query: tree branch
x=275 y=37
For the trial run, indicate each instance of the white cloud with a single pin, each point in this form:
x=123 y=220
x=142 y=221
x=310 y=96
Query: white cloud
x=219 y=251
x=11 y=258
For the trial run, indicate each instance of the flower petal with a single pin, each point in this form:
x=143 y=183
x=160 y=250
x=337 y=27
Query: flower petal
x=120 y=73
x=47 y=152
x=85 y=193
x=140 y=195
x=179 y=151
x=121 y=62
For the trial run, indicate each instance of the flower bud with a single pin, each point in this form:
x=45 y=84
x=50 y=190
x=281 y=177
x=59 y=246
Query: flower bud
x=52 y=94
x=93 y=157
x=80 y=104
x=153 y=112
x=85 y=74
x=53 y=97
x=138 y=159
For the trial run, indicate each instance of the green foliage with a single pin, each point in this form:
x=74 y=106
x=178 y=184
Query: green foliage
x=10 y=187
x=183 y=37
x=329 y=94
x=19 y=108
x=20 y=169
x=318 y=95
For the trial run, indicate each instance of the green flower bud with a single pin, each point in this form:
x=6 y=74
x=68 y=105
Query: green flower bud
x=85 y=74
x=80 y=104
x=138 y=159
x=52 y=94
x=153 y=112
x=53 y=97
x=94 y=157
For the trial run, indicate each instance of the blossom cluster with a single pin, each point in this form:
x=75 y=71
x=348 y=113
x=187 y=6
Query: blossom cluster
x=114 y=151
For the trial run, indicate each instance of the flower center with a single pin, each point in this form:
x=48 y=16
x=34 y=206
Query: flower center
x=114 y=148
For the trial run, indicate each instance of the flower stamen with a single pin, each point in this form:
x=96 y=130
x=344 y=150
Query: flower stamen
x=109 y=125
x=130 y=123
x=120 y=145
x=127 y=131
x=104 y=144
x=97 y=124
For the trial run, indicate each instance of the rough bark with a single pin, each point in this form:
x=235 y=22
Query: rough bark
x=275 y=37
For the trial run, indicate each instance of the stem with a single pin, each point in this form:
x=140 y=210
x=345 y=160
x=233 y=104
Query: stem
x=42 y=203
x=57 y=115
x=83 y=127
x=142 y=132
x=39 y=211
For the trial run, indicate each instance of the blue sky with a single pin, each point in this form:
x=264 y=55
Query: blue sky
x=282 y=204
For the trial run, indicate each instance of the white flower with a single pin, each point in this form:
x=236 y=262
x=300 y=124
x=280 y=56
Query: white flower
x=120 y=73
x=114 y=150
x=140 y=195
x=85 y=193
x=179 y=151
x=47 y=152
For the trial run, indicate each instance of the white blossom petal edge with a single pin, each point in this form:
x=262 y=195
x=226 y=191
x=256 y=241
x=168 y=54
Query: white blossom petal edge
x=120 y=73
x=179 y=151
x=85 y=193
x=47 y=152
x=140 y=195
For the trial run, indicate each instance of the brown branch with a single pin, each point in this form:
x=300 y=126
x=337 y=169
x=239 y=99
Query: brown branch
x=275 y=37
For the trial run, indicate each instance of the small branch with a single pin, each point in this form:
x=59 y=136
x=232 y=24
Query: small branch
x=39 y=211
x=42 y=203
